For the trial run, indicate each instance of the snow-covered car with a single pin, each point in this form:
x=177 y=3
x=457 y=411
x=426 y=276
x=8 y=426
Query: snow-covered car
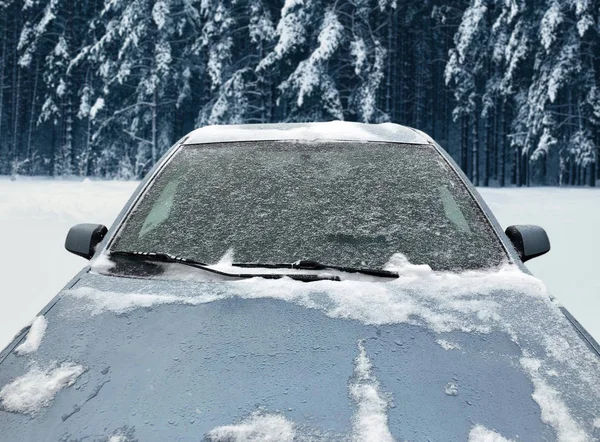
x=326 y=281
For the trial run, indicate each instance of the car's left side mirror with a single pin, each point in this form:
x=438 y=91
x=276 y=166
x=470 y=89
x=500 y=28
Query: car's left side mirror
x=82 y=239
x=529 y=241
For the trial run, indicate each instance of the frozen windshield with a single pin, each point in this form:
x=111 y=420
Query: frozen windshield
x=351 y=204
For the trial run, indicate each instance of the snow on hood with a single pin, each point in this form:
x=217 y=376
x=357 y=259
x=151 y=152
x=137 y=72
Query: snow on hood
x=502 y=299
x=257 y=428
x=37 y=388
x=34 y=336
x=554 y=410
x=481 y=434
x=370 y=421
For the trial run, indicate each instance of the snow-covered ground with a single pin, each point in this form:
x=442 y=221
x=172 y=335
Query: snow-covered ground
x=572 y=219
x=35 y=215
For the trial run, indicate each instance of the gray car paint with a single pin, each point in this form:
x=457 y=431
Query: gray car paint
x=175 y=372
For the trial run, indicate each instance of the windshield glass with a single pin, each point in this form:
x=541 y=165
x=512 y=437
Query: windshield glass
x=352 y=204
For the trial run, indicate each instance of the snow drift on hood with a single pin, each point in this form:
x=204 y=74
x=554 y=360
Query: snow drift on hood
x=37 y=388
x=34 y=336
x=502 y=299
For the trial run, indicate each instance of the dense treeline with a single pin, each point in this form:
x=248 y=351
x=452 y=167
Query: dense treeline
x=103 y=87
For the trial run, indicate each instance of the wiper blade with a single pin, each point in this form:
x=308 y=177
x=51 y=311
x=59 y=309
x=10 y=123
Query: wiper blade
x=315 y=265
x=168 y=258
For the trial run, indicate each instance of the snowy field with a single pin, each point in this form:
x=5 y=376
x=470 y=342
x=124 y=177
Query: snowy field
x=35 y=215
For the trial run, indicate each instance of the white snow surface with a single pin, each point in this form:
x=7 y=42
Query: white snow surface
x=481 y=434
x=37 y=388
x=34 y=336
x=35 y=216
x=371 y=420
x=447 y=345
x=443 y=302
x=333 y=130
x=451 y=389
x=554 y=411
x=257 y=428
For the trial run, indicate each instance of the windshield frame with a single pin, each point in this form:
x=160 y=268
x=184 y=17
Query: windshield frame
x=147 y=183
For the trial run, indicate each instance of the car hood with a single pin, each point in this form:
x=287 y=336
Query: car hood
x=426 y=357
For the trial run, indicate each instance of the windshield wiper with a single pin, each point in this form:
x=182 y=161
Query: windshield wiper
x=168 y=258
x=314 y=265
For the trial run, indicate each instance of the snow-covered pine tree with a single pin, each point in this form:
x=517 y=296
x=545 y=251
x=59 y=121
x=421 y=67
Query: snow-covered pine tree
x=369 y=58
x=541 y=61
x=465 y=73
x=140 y=57
x=53 y=32
x=308 y=37
x=236 y=36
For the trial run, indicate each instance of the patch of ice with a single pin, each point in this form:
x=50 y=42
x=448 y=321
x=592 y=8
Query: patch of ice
x=37 y=388
x=257 y=428
x=558 y=347
x=481 y=434
x=443 y=302
x=451 y=389
x=371 y=420
x=447 y=345
x=122 y=302
x=554 y=410
x=34 y=336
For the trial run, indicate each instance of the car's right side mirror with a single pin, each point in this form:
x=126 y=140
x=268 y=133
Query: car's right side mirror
x=529 y=241
x=82 y=239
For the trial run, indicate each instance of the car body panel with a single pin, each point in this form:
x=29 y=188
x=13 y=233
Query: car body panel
x=175 y=372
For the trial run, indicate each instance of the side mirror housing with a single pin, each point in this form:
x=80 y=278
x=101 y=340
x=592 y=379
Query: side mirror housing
x=82 y=239
x=529 y=241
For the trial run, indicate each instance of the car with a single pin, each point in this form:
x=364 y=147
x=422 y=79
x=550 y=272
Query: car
x=307 y=281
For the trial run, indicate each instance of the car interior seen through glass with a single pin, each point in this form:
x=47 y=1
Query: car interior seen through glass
x=341 y=203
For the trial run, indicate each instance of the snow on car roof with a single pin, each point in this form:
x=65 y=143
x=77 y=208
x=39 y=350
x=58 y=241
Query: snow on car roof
x=332 y=130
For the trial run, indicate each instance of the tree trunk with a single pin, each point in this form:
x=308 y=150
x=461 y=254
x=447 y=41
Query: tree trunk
x=2 y=64
x=16 y=109
x=154 y=126
x=390 y=61
x=464 y=145
x=475 y=149
x=32 y=114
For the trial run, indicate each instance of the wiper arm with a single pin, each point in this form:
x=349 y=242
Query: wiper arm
x=168 y=258
x=314 y=265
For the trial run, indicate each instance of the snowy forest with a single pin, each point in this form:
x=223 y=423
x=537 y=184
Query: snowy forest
x=511 y=88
